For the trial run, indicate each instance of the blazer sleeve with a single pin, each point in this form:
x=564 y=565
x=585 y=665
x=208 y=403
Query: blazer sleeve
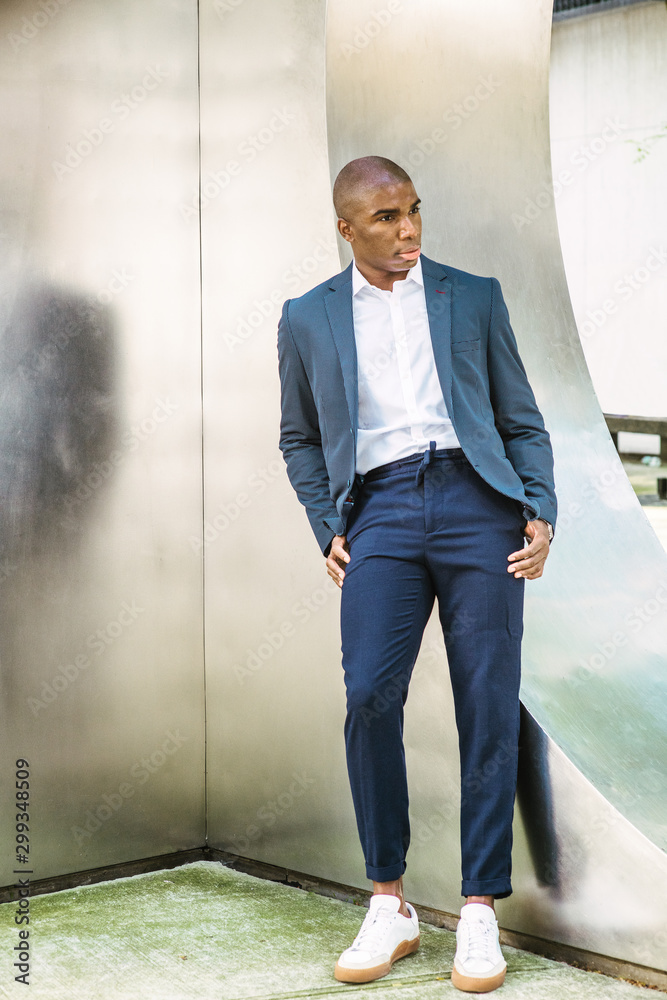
x=518 y=419
x=300 y=438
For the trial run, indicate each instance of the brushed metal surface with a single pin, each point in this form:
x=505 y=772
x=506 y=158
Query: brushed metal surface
x=468 y=118
x=101 y=659
x=276 y=771
x=432 y=87
x=103 y=538
x=458 y=94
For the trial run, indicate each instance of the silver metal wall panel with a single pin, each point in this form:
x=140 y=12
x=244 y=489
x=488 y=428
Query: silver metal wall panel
x=100 y=431
x=275 y=703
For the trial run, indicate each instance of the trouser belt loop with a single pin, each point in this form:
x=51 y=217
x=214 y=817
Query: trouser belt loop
x=426 y=460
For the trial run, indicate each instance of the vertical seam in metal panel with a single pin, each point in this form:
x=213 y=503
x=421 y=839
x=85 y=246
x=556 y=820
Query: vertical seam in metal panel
x=201 y=388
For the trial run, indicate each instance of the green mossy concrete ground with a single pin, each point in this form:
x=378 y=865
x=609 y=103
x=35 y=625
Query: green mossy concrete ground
x=203 y=931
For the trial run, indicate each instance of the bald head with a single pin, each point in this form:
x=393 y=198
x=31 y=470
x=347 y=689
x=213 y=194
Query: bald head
x=359 y=177
x=379 y=216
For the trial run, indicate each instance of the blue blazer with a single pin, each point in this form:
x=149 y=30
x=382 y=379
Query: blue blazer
x=484 y=383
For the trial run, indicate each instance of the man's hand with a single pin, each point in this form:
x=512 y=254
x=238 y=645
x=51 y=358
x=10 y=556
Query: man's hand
x=529 y=561
x=337 y=559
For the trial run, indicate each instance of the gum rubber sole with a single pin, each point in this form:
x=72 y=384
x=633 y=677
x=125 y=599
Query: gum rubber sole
x=345 y=975
x=477 y=984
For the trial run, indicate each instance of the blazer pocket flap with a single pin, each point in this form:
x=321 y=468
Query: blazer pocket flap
x=459 y=346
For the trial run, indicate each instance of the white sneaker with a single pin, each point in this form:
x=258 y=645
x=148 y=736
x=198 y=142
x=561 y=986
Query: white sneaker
x=479 y=966
x=385 y=936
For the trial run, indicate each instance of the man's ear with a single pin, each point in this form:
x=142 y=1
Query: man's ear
x=345 y=230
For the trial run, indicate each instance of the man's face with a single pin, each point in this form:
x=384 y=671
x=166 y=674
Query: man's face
x=384 y=230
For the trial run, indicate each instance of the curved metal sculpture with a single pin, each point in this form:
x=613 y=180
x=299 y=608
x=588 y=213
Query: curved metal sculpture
x=458 y=93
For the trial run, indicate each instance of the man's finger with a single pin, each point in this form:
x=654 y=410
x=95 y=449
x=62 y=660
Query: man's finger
x=338 y=558
x=529 y=554
x=338 y=553
x=530 y=568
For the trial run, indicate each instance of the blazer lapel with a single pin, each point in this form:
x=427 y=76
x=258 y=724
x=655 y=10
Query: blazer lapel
x=338 y=304
x=438 y=290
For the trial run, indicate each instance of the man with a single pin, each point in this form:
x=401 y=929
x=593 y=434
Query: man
x=412 y=437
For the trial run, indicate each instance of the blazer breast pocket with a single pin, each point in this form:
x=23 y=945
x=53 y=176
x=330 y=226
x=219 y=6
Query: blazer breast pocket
x=461 y=346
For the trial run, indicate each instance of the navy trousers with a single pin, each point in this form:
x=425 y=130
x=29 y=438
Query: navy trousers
x=425 y=527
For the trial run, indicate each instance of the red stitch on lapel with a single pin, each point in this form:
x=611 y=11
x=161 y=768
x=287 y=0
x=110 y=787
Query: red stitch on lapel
x=439 y=292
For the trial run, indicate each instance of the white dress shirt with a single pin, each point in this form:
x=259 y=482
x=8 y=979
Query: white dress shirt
x=401 y=406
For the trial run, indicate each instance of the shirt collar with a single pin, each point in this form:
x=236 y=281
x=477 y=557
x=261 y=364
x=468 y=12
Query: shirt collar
x=359 y=282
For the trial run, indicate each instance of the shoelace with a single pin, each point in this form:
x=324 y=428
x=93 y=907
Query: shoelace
x=373 y=927
x=478 y=939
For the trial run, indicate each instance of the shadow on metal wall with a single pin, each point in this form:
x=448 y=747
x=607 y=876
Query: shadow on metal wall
x=58 y=417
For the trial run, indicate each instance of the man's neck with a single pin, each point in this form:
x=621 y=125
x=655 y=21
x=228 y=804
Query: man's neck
x=382 y=279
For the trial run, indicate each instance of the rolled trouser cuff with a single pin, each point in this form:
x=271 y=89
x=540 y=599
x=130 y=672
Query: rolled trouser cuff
x=390 y=873
x=498 y=887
